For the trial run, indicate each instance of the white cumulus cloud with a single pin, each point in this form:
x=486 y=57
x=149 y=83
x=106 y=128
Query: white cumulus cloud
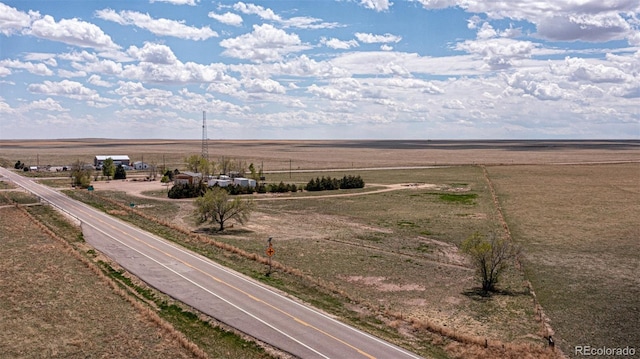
x=498 y=53
x=36 y=69
x=65 y=88
x=338 y=44
x=162 y=27
x=227 y=18
x=303 y=22
x=154 y=53
x=371 y=38
x=265 y=44
x=377 y=5
x=252 y=9
x=559 y=20
x=13 y=20
x=71 y=31
x=177 y=2
x=98 y=81
x=267 y=86
x=47 y=104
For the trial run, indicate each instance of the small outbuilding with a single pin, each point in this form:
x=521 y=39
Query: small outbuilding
x=187 y=178
x=244 y=182
x=139 y=165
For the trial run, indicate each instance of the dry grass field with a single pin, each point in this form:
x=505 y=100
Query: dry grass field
x=394 y=254
x=580 y=228
x=53 y=306
x=280 y=155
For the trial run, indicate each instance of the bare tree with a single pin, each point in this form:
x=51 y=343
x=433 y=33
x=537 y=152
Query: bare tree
x=216 y=207
x=490 y=255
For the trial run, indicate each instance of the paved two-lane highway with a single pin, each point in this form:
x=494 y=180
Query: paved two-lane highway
x=228 y=296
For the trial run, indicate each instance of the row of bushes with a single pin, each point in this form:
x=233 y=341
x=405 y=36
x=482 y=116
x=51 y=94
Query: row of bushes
x=317 y=184
x=187 y=190
x=328 y=183
x=263 y=188
x=197 y=190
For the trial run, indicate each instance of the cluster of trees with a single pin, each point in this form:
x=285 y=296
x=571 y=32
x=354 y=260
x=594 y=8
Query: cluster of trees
x=121 y=173
x=21 y=166
x=328 y=183
x=262 y=188
x=109 y=169
x=198 y=164
x=278 y=188
x=186 y=190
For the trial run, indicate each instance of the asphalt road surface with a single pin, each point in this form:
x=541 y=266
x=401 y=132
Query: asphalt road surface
x=226 y=295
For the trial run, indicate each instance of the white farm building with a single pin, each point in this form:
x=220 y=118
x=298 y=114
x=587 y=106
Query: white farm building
x=139 y=165
x=244 y=182
x=124 y=160
x=224 y=181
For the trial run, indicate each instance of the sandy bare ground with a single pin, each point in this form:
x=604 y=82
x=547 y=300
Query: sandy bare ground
x=133 y=188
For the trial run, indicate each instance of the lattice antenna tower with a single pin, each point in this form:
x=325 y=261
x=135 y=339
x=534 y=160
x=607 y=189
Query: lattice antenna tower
x=205 y=140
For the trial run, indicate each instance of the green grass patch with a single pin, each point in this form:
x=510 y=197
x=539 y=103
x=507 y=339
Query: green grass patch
x=424 y=248
x=56 y=183
x=6 y=185
x=20 y=197
x=57 y=223
x=406 y=224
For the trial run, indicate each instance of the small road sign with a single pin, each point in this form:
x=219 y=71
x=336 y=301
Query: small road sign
x=271 y=251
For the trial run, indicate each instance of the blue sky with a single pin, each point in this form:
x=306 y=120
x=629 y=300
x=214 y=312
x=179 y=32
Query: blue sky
x=320 y=69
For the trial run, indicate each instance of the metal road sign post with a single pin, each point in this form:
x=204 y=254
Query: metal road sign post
x=270 y=253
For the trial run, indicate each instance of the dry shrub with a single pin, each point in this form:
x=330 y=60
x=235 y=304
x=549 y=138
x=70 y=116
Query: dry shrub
x=395 y=324
x=507 y=351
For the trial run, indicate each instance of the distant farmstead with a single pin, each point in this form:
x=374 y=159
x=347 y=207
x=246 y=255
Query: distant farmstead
x=124 y=160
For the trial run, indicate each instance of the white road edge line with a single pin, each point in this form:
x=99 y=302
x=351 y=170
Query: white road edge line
x=228 y=271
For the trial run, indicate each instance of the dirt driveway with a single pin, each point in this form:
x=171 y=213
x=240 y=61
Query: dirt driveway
x=137 y=188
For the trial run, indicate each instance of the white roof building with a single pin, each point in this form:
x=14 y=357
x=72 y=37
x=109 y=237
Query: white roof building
x=117 y=160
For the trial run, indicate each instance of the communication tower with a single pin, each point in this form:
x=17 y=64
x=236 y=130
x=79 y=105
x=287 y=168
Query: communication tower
x=205 y=140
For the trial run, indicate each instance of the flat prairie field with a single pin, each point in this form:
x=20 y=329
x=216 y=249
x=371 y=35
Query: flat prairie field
x=343 y=154
x=579 y=227
x=52 y=305
x=572 y=206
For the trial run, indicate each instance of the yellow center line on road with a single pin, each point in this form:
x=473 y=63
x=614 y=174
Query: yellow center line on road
x=282 y=311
